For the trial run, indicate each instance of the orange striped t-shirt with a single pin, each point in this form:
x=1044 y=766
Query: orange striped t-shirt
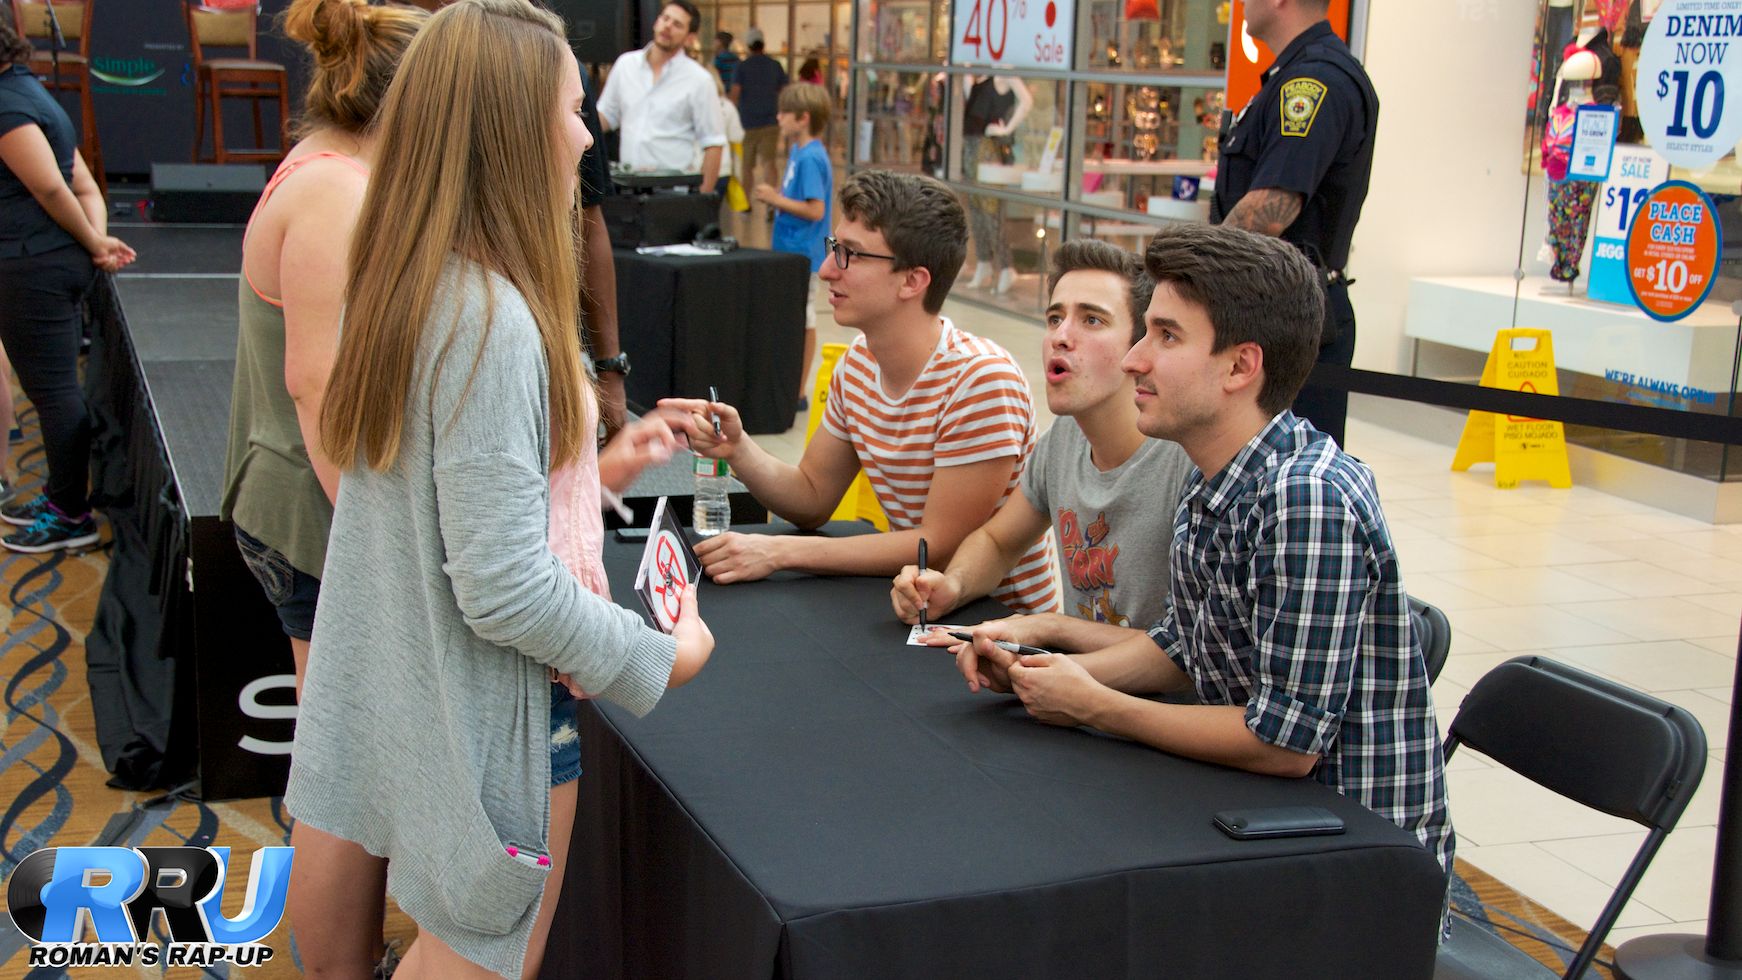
x=970 y=403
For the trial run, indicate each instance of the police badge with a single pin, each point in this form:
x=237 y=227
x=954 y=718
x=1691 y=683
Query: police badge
x=1300 y=105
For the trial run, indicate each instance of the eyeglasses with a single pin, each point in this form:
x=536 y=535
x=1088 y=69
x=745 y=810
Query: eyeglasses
x=845 y=254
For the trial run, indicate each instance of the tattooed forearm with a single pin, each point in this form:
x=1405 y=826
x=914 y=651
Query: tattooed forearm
x=1267 y=211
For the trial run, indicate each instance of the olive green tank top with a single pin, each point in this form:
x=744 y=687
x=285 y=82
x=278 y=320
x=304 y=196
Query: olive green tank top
x=270 y=487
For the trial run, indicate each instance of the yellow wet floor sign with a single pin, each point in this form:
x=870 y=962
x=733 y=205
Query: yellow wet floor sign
x=1520 y=448
x=860 y=501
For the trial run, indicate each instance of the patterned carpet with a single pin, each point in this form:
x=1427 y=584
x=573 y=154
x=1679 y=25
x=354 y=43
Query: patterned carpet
x=53 y=782
x=51 y=772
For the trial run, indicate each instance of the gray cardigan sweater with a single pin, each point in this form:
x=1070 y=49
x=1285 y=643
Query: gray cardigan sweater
x=423 y=733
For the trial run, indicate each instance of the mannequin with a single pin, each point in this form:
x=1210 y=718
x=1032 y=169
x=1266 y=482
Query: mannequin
x=1569 y=201
x=994 y=107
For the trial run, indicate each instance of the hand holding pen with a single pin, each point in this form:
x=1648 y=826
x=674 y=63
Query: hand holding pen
x=985 y=660
x=713 y=429
x=921 y=595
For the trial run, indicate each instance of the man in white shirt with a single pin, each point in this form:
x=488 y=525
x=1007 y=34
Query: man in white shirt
x=664 y=103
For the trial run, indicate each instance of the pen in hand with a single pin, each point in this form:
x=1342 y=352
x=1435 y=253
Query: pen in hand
x=1020 y=649
x=714 y=397
x=922 y=572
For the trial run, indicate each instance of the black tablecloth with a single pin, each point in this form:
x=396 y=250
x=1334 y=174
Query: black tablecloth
x=825 y=801
x=734 y=321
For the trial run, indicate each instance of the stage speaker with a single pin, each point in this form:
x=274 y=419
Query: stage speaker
x=202 y=192
x=599 y=30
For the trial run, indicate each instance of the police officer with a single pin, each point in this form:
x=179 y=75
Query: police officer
x=1295 y=163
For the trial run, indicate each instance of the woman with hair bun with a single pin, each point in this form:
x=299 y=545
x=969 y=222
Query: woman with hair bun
x=279 y=486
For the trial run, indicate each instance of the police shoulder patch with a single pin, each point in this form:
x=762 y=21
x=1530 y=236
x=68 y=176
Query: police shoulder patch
x=1301 y=98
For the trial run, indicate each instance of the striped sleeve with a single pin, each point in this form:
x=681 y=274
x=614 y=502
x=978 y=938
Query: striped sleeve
x=988 y=416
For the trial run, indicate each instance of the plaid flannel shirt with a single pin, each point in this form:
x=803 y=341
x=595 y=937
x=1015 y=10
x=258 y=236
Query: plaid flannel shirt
x=1287 y=598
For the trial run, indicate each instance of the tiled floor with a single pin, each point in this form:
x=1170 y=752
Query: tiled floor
x=1648 y=598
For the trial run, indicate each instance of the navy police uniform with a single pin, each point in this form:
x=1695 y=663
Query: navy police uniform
x=1310 y=130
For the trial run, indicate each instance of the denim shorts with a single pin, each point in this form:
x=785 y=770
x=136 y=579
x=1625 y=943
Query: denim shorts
x=293 y=593
x=565 y=737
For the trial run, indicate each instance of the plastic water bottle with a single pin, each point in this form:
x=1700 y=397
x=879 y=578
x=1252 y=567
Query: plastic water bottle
x=713 y=512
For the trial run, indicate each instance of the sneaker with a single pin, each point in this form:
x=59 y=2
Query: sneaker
x=24 y=512
x=1005 y=280
x=804 y=404
x=982 y=273
x=53 y=530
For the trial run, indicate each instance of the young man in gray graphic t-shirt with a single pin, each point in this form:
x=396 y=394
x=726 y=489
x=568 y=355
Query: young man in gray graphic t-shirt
x=1103 y=487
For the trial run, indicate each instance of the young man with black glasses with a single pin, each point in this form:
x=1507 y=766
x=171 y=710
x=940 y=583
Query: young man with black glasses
x=940 y=420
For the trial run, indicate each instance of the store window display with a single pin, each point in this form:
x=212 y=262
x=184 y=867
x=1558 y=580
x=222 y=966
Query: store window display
x=1583 y=79
x=995 y=106
x=1119 y=134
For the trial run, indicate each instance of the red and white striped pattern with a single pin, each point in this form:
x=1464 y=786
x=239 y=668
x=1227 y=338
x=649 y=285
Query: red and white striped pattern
x=970 y=403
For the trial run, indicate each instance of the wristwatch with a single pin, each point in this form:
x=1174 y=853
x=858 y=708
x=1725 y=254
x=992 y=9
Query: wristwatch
x=616 y=365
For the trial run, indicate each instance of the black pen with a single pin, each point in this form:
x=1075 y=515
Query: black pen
x=1021 y=649
x=922 y=572
x=714 y=397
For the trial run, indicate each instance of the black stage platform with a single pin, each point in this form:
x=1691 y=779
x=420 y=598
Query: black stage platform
x=180 y=610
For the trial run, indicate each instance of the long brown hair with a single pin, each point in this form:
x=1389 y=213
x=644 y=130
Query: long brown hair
x=468 y=165
x=356 y=48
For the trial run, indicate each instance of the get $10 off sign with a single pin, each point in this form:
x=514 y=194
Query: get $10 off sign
x=1689 y=70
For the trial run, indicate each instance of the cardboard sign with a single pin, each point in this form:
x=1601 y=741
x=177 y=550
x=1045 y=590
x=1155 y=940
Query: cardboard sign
x=1594 y=130
x=1634 y=172
x=1691 y=57
x=1013 y=33
x=1673 y=250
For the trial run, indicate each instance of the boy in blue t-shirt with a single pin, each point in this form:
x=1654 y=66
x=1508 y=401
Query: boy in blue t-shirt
x=803 y=201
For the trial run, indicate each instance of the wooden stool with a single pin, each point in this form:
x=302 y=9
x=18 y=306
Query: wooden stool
x=217 y=79
x=30 y=18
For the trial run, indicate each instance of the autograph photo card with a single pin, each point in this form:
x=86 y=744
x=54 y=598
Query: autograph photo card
x=668 y=566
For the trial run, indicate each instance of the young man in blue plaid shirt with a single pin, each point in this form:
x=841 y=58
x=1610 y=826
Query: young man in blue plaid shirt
x=1288 y=614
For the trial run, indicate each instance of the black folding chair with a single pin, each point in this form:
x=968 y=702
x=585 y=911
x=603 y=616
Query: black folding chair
x=1607 y=746
x=1434 y=632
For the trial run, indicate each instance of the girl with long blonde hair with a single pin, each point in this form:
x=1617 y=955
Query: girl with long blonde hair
x=423 y=735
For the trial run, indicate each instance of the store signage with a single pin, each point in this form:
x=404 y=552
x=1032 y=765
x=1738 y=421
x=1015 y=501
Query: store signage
x=1013 y=33
x=1690 y=81
x=1594 y=129
x=1632 y=175
x=1672 y=250
x=1521 y=448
